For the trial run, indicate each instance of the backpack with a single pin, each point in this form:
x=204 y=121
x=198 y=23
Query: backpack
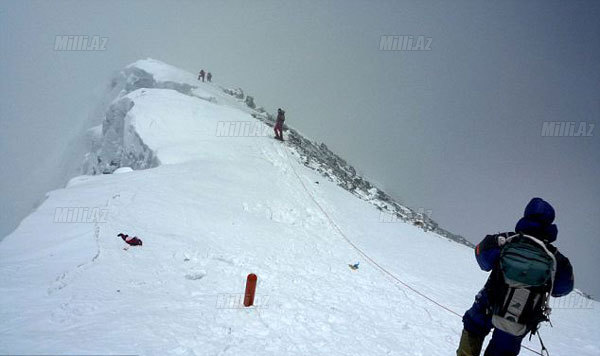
x=528 y=269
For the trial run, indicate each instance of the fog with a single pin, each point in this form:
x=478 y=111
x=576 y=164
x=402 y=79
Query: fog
x=456 y=129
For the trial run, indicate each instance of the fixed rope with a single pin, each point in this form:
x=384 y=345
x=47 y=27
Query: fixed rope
x=371 y=260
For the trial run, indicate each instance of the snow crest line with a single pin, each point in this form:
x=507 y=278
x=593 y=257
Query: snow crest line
x=371 y=260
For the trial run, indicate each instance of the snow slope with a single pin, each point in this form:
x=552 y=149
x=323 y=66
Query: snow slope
x=211 y=209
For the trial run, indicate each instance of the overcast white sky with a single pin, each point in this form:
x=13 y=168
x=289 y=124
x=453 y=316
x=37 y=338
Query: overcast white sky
x=456 y=129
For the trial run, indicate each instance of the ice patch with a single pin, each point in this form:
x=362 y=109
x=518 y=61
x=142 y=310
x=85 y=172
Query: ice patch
x=195 y=275
x=123 y=170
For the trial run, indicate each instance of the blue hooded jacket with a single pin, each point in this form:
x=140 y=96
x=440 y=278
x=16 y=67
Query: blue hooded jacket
x=537 y=222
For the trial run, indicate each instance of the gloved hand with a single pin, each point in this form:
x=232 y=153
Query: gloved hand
x=501 y=240
x=487 y=251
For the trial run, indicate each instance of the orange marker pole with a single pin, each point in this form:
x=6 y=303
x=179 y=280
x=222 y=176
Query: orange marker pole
x=250 y=290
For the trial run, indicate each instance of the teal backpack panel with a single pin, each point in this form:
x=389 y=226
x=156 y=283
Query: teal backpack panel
x=525 y=263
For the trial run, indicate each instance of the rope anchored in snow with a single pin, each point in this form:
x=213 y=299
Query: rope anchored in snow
x=371 y=260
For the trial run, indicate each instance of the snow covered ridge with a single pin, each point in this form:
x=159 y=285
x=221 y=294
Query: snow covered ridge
x=121 y=146
x=214 y=209
x=319 y=157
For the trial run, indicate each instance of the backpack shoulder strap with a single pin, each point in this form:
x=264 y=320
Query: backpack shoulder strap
x=505 y=238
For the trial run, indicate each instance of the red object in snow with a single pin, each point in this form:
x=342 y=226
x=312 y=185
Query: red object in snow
x=131 y=240
x=250 y=289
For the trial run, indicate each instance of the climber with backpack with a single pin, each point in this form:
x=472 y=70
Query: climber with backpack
x=526 y=270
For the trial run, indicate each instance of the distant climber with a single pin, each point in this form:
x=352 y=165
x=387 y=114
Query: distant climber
x=131 y=240
x=279 y=124
x=354 y=266
x=209 y=77
x=201 y=75
x=526 y=270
